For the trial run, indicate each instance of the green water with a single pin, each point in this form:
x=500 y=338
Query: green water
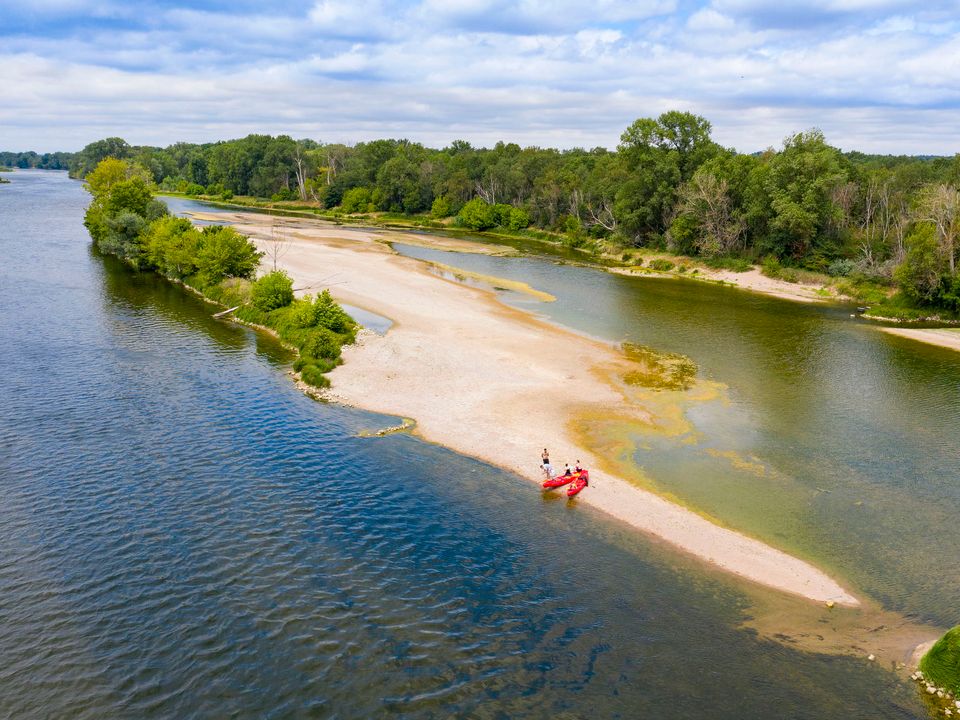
x=828 y=438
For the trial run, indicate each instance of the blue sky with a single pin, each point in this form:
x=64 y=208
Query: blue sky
x=874 y=75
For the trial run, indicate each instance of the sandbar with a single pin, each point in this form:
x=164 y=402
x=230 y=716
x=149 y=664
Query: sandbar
x=499 y=384
x=941 y=337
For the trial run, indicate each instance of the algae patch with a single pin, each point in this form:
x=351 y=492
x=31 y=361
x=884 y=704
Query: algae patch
x=488 y=281
x=941 y=664
x=659 y=370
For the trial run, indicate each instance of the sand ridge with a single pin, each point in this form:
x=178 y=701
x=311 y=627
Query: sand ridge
x=498 y=384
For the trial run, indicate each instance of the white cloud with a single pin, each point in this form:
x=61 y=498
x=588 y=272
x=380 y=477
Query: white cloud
x=533 y=72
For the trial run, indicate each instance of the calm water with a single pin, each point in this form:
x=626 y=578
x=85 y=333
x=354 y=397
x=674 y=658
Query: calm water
x=829 y=438
x=182 y=534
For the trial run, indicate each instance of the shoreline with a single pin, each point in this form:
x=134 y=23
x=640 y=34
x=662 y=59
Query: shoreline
x=948 y=338
x=497 y=384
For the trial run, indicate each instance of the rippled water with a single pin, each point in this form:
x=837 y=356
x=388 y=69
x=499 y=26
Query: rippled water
x=183 y=534
x=830 y=438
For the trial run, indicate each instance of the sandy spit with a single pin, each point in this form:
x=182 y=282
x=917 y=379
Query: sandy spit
x=941 y=337
x=499 y=384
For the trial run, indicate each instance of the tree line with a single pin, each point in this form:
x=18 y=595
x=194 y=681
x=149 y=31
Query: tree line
x=667 y=185
x=125 y=219
x=31 y=159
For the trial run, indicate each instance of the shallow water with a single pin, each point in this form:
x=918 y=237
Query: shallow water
x=828 y=438
x=184 y=534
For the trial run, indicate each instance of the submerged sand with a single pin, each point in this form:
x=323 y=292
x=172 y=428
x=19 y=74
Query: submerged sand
x=499 y=384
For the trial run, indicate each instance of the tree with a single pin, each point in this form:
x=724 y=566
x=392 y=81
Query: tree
x=277 y=244
x=224 y=253
x=705 y=200
x=801 y=182
x=920 y=273
x=273 y=290
x=940 y=206
x=477 y=214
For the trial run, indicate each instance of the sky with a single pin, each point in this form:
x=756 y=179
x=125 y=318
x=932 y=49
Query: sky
x=874 y=75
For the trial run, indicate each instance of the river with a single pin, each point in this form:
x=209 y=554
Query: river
x=184 y=534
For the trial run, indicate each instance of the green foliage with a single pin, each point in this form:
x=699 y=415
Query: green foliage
x=441 y=207
x=518 y=219
x=321 y=343
x=920 y=273
x=941 y=664
x=477 y=215
x=273 y=290
x=660 y=265
x=724 y=262
x=771 y=267
x=171 y=246
x=840 y=267
x=224 y=252
x=355 y=200
x=667 y=185
x=311 y=374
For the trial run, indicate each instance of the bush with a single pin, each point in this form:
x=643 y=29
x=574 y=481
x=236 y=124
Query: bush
x=322 y=343
x=941 y=664
x=519 y=219
x=840 y=267
x=355 y=200
x=193 y=189
x=313 y=375
x=477 y=214
x=441 y=208
x=725 y=262
x=661 y=265
x=274 y=290
x=224 y=252
x=771 y=267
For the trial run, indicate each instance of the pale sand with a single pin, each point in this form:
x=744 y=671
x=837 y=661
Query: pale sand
x=498 y=384
x=942 y=337
x=752 y=280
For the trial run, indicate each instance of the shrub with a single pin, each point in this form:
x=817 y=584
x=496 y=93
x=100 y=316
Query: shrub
x=312 y=375
x=441 y=208
x=771 y=267
x=519 y=219
x=477 y=214
x=725 y=262
x=193 y=189
x=322 y=343
x=661 y=265
x=224 y=253
x=355 y=200
x=327 y=313
x=274 y=290
x=840 y=267
x=941 y=664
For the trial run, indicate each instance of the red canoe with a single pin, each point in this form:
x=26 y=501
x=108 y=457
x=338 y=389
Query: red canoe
x=579 y=484
x=560 y=480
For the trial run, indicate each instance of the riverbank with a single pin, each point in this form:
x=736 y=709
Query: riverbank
x=941 y=337
x=498 y=384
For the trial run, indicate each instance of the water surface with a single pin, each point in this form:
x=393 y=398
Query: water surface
x=185 y=535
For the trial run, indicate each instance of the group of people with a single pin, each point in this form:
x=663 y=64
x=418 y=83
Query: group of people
x=548 y=468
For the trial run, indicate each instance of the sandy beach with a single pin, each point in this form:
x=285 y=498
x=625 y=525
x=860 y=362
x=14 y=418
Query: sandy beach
x=941 y=337
x=498 y=384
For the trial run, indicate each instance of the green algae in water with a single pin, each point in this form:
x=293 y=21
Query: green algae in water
x=941 y=664
x=661 y=370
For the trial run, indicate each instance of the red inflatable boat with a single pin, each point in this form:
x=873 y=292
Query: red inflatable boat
x=582 y=480
x=560 y=480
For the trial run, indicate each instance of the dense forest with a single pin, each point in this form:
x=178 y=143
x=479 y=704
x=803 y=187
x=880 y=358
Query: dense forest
x=886 y=220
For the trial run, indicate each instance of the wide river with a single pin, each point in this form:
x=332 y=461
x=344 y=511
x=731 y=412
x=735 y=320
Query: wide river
x=184 y=534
